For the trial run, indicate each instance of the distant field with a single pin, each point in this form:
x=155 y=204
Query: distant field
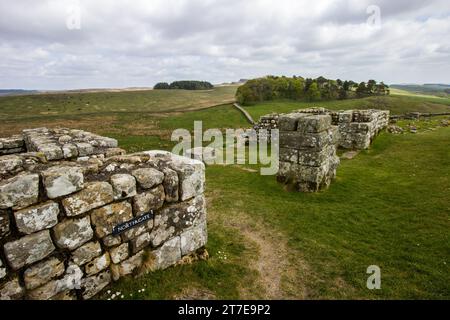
x=154 y=101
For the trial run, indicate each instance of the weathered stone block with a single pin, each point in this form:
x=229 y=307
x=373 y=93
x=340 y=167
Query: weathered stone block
x=149 y=200
x=128 y=266
x=167 y=255
x=29 y=249
x=114 y=152
x=86 y=253
x=111 y=241
x=42 y=272
x=84 y=149
x=106 y=218
x=137 y=231
x=140 y=242
x=174 y=219
x=193 y=239
x=93 y=285
x=61 y=181
x=289 y=155
x=11 y=290
x=71 y=280
x=98 y=264
x=94 y=195
x=124 y=186
x=10 y=164
x=314 y=124
x=288 y=122
x=119 y=254
x=19 y=192
x=4 y=224
x=40 y=217
x=316 y=158
x=73 y=233
x=70 y=151
x=148 y=177
x=191 y=175
x=170 y=184
x=51 y=151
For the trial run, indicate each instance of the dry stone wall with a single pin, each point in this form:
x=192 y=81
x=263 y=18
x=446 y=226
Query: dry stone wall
x=308 y=159
x=357 y=128
x=77 y=213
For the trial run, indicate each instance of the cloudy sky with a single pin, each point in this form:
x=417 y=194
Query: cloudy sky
x=65 y=44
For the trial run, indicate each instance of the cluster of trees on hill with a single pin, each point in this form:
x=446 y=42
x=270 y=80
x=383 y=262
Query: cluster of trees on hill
x=298 y=88
x=186 y=85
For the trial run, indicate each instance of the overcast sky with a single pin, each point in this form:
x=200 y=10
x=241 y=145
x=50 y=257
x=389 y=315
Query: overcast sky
x=61 y=44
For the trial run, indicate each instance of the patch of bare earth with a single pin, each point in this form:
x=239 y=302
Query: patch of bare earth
x=281 y=271
x=195 y=294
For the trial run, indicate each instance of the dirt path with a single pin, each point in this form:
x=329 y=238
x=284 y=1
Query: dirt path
x=278 y=268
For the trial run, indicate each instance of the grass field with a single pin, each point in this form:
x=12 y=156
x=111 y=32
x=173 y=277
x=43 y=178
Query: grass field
x=389 y=206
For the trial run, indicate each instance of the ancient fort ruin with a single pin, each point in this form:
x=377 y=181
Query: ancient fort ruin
x=77 y=213
x=309 y=139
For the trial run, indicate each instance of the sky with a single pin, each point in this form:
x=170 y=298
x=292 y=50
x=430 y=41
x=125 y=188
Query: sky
x=71 y=44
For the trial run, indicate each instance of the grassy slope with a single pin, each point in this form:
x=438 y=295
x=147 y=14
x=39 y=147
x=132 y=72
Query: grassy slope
x=155 y=101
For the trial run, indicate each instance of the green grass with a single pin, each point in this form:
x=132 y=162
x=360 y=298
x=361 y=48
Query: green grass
x=389 y=207
x=396 y=103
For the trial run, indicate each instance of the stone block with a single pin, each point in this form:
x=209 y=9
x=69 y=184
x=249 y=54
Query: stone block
x=191 y=175
x=149 y=200
x=170 y=184
x=193 y=239
x=140 y=242
x=288 y=122
x=289 y=155
x=86 y=253
x=10 y=164
x=2 y=270
x=84 y=149
x=42 y=272
x=98 y=264
x=11 y=290
x=28 y=249
x=106 y=218
x=128 y=266
x=37 y=218
x=167 y=255
x=70 y=151
x=147 y=178
x=119 y=253
x=72 y=233
x=94 y=284
x=124 y=186
x=174 y=219
x=62 y=180
x=111 y=241
x=94 y=195
x=314 y=124
x=19 y=192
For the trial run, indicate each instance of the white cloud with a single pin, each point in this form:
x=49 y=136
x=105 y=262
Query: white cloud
x=137 y=43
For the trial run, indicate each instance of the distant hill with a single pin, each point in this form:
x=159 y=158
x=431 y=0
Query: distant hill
x=10 y=92
x=437 y=89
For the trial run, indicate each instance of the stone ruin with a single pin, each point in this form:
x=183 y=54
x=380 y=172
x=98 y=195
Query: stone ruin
x=267 y=122
x=309 y=139
x=357 y=128
x=77 y=213
x=308 y=159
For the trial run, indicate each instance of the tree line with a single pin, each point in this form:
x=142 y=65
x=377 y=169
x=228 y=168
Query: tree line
x=185 y=85
x=298 y=88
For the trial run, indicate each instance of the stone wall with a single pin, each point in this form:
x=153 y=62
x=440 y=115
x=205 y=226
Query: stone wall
x=308 y=160
x=76 y=214
x=12 y=145
x=267 y=122
x=357 y=128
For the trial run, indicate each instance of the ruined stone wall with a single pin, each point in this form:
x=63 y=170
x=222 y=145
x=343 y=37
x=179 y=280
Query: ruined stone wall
x=10 y=145
x=267 y=122
x=308 y=160
x=76 y=213
x=357 y=128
